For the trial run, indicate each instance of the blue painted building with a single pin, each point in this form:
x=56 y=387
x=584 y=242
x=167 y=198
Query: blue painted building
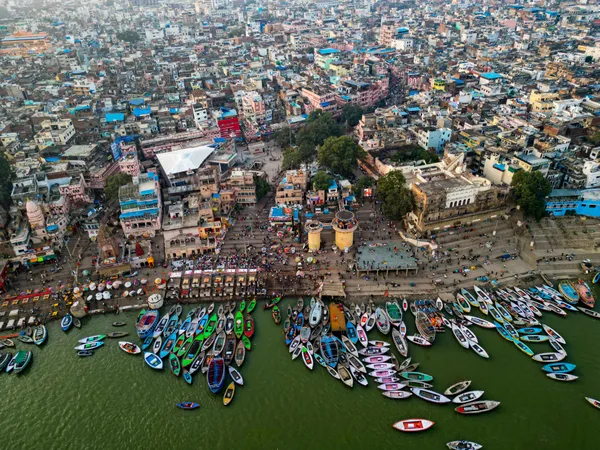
x=562 y=202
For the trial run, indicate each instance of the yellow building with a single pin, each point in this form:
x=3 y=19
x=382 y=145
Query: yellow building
x=439 y=84
x=344 y=224
x=314 y=229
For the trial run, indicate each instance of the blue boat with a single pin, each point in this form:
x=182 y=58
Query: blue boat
x=66 y=322
x=596 y=278
x=340 y=345
x=153 y=361
x=329 y=351
x=215 y=377
x=202 y=324
x=171 y=325
x=472 y=300
x=185 y=325
x=530 y=330
x=147 y=342
x=505 y=334
x=187 y=377
x=188 y=405
x=351 y=332
x=559 y=368
x=147 y=323
x=569 y=292
x=524 y=348
x=290 y=335
x=168 y=345
x=299 y=321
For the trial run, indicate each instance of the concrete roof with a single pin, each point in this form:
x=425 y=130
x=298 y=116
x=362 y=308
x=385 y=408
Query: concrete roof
x=179 y=161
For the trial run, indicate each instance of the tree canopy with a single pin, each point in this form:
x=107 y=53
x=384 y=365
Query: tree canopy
x=114 y=182
x=292 y=158
x=322 y=180
x=340 y=155
x=361 y=184
x=129 y=36
x=351 y=114
x=397 y=198
x=529 y=191
x=320 y=126
x=6 y=176
x=262 y=187
x=414 y=153
x=284 y=137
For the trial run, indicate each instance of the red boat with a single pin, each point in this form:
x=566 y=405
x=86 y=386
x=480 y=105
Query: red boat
x=249 y=326
x=413 y=425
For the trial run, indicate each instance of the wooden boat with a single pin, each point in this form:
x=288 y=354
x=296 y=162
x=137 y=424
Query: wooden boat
x=478 y=349
x=147 y=323
x=76 y=322
x=83 y=353
x=129 y=347
x=174 y=364
x=229 y=323
x=402 y=367
x=468 y=333
x=419 y=340
x=503 y=311
x=463 y=303
x=413 y=425
x=371 y=322
x=534 y=338
x=40 y=334
x=511 y=330
x=229 y=393
x=430 y=396
x=345 y=375
x=402 y=328
x=416 y=376
x=251 y=306
x=276 y=314
x=351 y=332
x=480 y=322
x=307 y=358
x=524 y=348
x=477 y=407
x=362 y=336
x=457 y=388
x=568 y=292
x=24 y=338
x=559 y=367
x=390 y=386
x=304 y=334
x=66 y=322
x=183 y=350
x=382 y=321
x=193 y=351
x=215 y=376
x=236 y=376
x=147 y=342
x=211 y=325
x=89 y=339
x=5 y=358
x=556 y=346
x=555 y=309
x=393 y=312
x=229 y=350
x=243 y=305
x=466 y=397
x=22 y=360
x=208 y=343
x=198 y=362
x=404 y=305
x=153 y=360
x=400 y=342
x=417 y=384
x=377 y=359
x=349 y=346
x=168 y=345
x=219 y=343
x=382 y=373
x=390 y=379
x=120 y=334
x=380 y=366
x=562 y=376
x=185 y=325
x=90 y=345
x=329 y=350
x=375 y=343
x=592 y=401
x=463 y=445
x=249 y=326
x=188 y=405
x=179 y=342
x=7 y=342
x=460 y=337
x=396 y=395
x=596 y=278
x=553 y=334
x=246 y=342
x=333 y=372
x=502 y=331
x=171 y=325
x=316 y=314
x=470 y=298
x=589 y=312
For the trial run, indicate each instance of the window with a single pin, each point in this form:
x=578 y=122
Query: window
x=592 y=206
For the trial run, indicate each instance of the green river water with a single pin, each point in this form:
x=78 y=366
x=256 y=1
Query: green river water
x=114 y=401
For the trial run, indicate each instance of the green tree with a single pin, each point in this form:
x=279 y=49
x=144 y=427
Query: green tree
x=236 y=32
x=340 y=155
x=414 y=153
x=322 y=180
x=262 y=187
x=529 y=191
x=129 y=36
x=351 y=114
x=397 y=198
x=284 y=137
x=320 y=126
x=6 y=176
x=291 y=159
x=595 y=138
x=114 y=182
x=361 y=184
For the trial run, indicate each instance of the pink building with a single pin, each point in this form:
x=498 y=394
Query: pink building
x=99 y=174
x=129 y=163
x=76 y=191
x=319 y=98
x=141 y=206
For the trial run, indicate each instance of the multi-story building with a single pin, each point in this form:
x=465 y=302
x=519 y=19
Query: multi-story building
x=54 y=132
x=141 y=207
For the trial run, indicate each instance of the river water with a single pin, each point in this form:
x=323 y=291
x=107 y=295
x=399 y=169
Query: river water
x=114 y=401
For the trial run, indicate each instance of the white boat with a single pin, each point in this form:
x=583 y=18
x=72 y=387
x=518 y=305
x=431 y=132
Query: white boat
x=404 y=305
x=396 y=395
x=404 y=364
x=562 y=376
x=457 y=388
x=382 y=373
x=316 y=313
x=419 y=340
x=439 y=304
x=359 y=377
x=468 y=333
x=380 y=366
x=478 y=349
x=556 y=346
x=466 y=397
x=480 y=322
x=332 y=372
x=413 y=425
x=382 y=321
x=463 y=445
x=353 y=361
x=460 y=337
x=430 y=396
x=402 y=328
x=345 y=375
x=297 y=351
x=307 y=358
x=377 y=359
x=553 y=334
x=370 y=322
x=362 y=336
x=369 y=351
x=400 y=342
x=129 y=347
x=549 y=357
x=379 y=343
x=390 y=386
x=294 y=344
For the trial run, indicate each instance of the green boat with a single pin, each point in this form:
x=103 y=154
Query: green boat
x=251 y=305
x=174 y=364
x=243 y=305
x=246 y=342
x=22 y=359
x=416 y=376
x=194 y=351
x=211 y=325
x=185 y=347
x=178 y=343
x=238 y=325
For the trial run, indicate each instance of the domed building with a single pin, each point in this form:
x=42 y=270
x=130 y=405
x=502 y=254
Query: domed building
x=36 y=219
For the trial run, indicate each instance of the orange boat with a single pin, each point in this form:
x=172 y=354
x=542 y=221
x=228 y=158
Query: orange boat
x=585 y=293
